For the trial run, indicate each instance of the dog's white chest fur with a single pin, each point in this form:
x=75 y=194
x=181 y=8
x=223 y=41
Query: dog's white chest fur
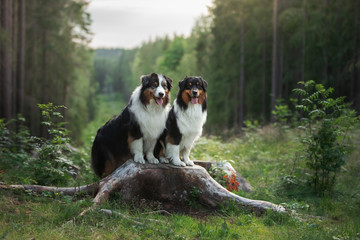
x=151 y=118
x=190 y=123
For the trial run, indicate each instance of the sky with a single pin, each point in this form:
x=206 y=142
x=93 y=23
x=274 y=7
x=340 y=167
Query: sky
x=128 y=23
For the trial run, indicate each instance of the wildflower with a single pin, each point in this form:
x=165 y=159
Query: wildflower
x=232 y=184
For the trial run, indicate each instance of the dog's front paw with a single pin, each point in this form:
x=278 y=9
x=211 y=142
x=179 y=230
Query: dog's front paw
x=164 y=160
x=188 y=162
x=139 y=159
x=152 y=160
x=178 y=162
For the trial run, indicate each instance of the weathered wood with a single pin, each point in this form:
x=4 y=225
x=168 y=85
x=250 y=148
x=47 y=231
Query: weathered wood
x=90 y=189
x=228 y=169
x=161 y=182
x=172 y=184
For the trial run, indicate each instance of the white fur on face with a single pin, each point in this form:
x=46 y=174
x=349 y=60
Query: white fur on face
x=160 y=88
x=152 y=119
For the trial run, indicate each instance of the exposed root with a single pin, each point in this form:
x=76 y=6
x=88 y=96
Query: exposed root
x=160 y=182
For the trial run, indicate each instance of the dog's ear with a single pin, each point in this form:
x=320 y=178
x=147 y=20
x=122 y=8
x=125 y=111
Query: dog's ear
x=182 y=84
x=145 y=79
x=168 y=82
x=204 y=83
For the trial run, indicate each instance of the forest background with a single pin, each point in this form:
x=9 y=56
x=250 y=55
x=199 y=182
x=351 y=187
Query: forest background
x=295 y=143
x=252 y=53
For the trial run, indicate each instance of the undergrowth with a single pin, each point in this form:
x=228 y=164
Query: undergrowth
x=269 y=158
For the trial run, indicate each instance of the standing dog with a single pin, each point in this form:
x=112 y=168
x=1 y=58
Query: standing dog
x=184 y=123
x=135 y=131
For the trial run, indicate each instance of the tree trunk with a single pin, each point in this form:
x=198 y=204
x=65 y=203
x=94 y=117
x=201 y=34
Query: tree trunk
x=242 y=76
x=14 y=61
x=303 y=42
x=274 y=61
x=21 y=59
x=281 y=70
x=6 y=15
x=236 y=107
x=263 y=82
x=167 y=183
x=353 y=85
x=43 y=75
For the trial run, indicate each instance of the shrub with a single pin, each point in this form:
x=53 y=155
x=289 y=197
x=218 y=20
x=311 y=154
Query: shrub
x=326 y=122
x=31 y=159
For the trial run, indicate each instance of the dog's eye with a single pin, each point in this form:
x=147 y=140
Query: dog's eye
x=163 y=85
x=156 y=84
x=197 y=83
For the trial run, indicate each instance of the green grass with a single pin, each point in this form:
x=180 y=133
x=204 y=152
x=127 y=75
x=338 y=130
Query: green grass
x=263 y=156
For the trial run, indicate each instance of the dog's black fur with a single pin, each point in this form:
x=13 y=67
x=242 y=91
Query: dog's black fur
x=111 y=147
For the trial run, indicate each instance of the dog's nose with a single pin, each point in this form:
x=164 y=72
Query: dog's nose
x=194 y=92
x=161 y=94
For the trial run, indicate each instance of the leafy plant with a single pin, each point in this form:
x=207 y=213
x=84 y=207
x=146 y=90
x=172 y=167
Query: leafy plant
x=227 y=181
x=326 y=122
x=217 y=173
x=37 y=160
x=193 y=198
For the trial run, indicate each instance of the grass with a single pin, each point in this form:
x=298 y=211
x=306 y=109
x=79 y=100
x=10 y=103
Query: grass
x=270 y=161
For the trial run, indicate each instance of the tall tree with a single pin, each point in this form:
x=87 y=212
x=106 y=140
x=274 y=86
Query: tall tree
x=6 y=67
x=21 y=59
x=274 y=79
x=242 y=74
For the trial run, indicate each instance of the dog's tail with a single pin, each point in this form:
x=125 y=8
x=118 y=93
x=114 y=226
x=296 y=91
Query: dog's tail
x=160 y=145
x=97 y=158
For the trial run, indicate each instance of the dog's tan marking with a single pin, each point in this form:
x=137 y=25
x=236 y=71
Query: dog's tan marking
x=186 y=96
x=149 y=94
x=202 y=96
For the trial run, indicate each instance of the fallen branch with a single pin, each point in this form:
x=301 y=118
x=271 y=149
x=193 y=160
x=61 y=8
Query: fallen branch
x=90 y=189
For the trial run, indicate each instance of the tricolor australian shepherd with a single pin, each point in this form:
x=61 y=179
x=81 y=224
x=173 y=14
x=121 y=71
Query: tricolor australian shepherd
x=133 y=134
x=184 y=123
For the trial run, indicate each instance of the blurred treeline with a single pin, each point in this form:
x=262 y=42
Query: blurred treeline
x=253 y=54
x=44 y=57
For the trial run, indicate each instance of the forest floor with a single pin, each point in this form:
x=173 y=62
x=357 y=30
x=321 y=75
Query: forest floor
x=269 y=158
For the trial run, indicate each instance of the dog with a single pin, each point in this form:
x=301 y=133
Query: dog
x=134 y=133
x=184 y=123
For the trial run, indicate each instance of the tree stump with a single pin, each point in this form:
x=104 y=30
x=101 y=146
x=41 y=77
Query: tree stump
x=161 y=182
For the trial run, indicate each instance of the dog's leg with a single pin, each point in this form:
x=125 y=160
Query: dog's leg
x=173 y=153
x=163 y=159
x=136 y=148
x=186 y=156
x=150 y=152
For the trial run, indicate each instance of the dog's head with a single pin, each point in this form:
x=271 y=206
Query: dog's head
x=155 y=87
x=192 y=90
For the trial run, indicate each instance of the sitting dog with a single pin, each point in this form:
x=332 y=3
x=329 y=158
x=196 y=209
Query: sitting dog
x=134 y=132
x=184 y=123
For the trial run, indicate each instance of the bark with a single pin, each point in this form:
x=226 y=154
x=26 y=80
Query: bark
x=274 y=61
x=263 y=82
x=281 y=69
x=21 y=59
x=90 y=189
x=352 y=89
x=161 y=182
x=6 y=15
x=14 y=61
x=242 y=76
x=303 y=42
